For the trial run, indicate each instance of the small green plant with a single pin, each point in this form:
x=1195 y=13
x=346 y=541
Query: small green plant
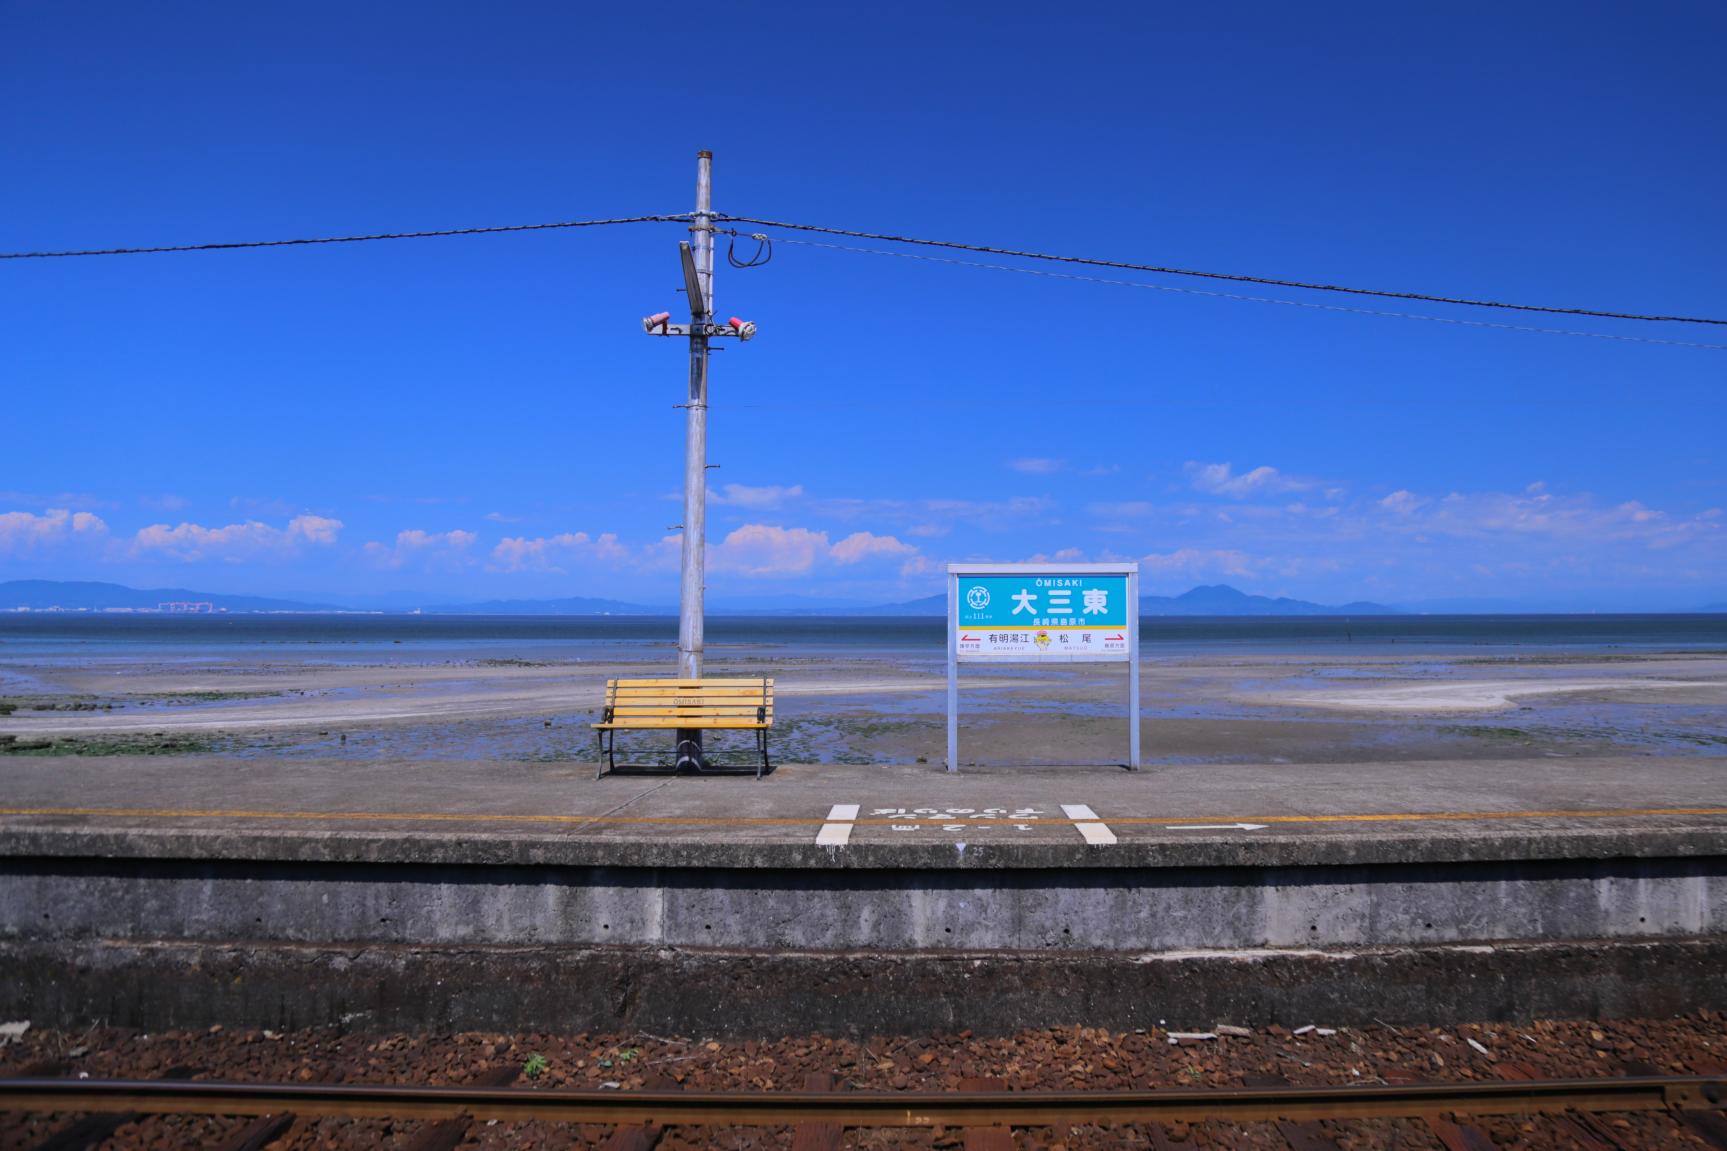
x=629 y=1054
x=535 y=1066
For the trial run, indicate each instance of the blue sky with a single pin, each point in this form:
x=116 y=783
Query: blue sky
x=483 y=416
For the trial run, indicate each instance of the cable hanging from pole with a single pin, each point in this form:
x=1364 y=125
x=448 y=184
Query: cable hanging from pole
x=1217 y=295
x=1123 y=265
x=219 y=247
x=764 y=253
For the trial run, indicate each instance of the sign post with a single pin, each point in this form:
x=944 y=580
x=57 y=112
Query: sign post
x=1042 y=613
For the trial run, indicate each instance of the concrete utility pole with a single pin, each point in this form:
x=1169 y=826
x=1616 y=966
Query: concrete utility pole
x=700 y=288
x=697 y=257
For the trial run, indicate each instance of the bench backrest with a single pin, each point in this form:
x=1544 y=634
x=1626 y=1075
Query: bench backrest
x=664 y=702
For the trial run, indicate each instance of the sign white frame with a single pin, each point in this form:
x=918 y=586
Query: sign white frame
x=1130 y=570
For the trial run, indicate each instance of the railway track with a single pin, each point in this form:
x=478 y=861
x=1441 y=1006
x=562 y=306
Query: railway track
x=1695 y=1102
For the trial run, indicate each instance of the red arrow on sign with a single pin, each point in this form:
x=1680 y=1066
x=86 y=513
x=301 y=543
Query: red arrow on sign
x=1114 y=637
x=971 y=638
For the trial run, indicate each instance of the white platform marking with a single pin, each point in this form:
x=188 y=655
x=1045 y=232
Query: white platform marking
x=1214 y=826
x=1090 y=827
x=837 y=831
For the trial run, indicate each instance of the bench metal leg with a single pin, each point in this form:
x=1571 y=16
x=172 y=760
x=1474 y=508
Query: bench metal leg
x=607 y=755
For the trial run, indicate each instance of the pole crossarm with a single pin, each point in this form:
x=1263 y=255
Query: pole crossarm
x=743 y=329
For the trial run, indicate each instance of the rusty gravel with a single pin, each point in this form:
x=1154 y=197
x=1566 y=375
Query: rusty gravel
x=1071 y=1058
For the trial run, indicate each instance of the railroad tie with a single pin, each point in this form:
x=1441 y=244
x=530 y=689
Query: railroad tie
x=1708 y=1126
x=1459 y=1136
x=1589 y=1133
x=1300 y=1134
x=642 y=1138
x=817 y=1134
x=987 y=1138
x=447 y=1134
x=259 y=1133
x=89 y=1130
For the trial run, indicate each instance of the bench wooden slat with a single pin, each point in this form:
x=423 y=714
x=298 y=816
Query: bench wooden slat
x=671 y=721
x=687 y=701
x=712 y=693
x=665 y=707
x=690 y=697
x=660 y=724
x=690 y=683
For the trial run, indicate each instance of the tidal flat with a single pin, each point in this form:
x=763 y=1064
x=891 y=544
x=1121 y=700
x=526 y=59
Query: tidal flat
x=518 y=697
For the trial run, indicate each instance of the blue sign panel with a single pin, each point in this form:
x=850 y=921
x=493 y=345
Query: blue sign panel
x=1042 y=614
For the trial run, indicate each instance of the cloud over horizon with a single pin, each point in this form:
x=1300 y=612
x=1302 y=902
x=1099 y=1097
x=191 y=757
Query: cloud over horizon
x=235 y=543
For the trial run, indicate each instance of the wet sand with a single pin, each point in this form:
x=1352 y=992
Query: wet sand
x=852 y=708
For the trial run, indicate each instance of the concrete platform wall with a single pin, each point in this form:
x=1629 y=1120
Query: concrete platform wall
x=701 y=992
x=1116 y=910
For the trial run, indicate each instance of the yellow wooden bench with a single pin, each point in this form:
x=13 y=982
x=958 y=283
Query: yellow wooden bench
x=685 y=704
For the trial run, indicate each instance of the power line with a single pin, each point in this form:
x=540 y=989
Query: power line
x=1254 y=299
x=1123 y=265
x=343 y=239
x=1269 y=281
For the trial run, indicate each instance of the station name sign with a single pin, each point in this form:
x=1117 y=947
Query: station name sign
x=1032 y=613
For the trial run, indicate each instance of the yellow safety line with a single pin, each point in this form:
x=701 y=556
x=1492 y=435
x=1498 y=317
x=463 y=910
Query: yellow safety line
x=790 y=821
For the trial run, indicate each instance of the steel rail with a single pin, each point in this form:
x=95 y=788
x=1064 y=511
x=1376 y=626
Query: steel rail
x=866 y=1108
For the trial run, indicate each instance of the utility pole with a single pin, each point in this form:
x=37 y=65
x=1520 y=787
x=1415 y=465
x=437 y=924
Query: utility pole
x=697 y=257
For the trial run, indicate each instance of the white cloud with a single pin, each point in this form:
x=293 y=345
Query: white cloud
x=771 y=550
x=234 y=543
x=764 y=549
x=1403 y=502
x=25 y=532
x=931 y=516
x=1036 y=465
x=864 y=545
x=441 y=549
x=549 y=553
x=743 y=496
x=1200 y=561
x=314 y=529
x=1221 y=480
x=261 y=506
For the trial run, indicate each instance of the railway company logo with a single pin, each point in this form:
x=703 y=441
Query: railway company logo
x=977 y=597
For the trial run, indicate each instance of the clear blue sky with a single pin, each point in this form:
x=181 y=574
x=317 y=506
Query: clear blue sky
x=483 y=416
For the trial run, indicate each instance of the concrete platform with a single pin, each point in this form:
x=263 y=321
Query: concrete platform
x=907 y=815
x=132 y=887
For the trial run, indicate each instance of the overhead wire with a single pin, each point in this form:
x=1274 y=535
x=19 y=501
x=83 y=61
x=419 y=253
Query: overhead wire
x=1255 y=299
x=1269 y=281
x=764 y=253
x=231 y=245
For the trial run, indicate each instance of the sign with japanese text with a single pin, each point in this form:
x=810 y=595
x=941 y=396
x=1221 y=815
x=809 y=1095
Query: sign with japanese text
x=1032 y=614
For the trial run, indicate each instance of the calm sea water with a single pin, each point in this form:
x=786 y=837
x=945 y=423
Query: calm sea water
x=26 y=636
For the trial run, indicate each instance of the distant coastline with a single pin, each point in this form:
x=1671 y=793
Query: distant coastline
x=68 y=597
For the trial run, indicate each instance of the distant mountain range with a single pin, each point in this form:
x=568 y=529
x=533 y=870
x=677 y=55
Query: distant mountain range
x=75 y=595
x=1210 y=600
x=1215 y=599
x=567 y=605
x=1221 y=599
x=56 y=595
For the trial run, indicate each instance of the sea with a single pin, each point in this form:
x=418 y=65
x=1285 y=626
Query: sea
x=57 y=636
